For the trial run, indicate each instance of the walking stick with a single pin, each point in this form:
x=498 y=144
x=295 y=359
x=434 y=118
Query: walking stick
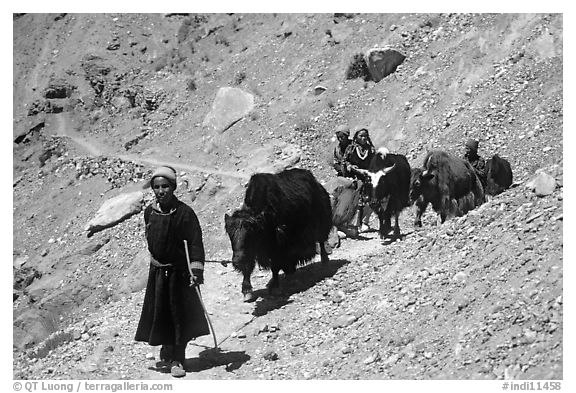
x=200 y=297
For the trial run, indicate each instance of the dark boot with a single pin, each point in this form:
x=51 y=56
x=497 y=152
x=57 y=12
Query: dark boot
x=177 y=365
x=166 y=353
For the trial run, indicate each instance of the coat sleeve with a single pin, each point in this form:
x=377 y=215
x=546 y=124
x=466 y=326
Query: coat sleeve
x=192 y=233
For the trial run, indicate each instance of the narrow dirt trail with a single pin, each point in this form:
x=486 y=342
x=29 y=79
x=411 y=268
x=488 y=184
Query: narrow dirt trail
x=233 y=319
x=63 y=128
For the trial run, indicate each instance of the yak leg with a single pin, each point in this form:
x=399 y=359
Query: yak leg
x=387 y=224
x=247 y=289
x=274 y=283
x=381 y=225
x=323 y=253
x=384 y=217
x=396 y=225
x=421 y=206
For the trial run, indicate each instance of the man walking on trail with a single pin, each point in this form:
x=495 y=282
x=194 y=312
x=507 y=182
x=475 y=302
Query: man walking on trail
x=172 y=313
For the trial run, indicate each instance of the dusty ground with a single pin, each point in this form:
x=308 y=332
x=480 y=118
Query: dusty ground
x=99 y=100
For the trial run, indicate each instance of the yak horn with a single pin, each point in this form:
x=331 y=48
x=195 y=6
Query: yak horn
x=389 y=169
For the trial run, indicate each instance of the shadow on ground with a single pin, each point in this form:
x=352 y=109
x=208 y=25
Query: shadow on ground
x=212 y=357
x=390 y=238
x=207 y=359
x=303 y=279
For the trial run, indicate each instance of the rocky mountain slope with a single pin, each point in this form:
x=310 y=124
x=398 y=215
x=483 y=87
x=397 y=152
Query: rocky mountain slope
x=100 y=99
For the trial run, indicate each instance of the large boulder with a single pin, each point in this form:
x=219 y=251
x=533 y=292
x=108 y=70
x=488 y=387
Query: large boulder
x=116 y=210
x=230 y=105
x=543 y=184
x=383 y=62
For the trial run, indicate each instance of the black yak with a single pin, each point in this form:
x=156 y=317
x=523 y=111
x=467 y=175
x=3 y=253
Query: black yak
x=449 y=183
x=283 y=217
x=498 y=175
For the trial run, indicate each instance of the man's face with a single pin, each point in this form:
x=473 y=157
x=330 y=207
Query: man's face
x=163 y=190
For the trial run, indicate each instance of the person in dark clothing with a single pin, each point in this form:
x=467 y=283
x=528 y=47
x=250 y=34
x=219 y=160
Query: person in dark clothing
x=477 y=162
x=358 y=156
x=172 y=313
x=339 y=164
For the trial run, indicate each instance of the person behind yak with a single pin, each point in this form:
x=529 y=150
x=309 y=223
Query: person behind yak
x=358 y=156
x=172 y=313
x=343 y=136
x=477 y=162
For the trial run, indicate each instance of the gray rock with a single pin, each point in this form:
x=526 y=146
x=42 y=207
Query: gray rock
x=319 y=90
x=543 y=184
x=344 y=321
x=271 y=355
x=383 y=62
x=230 y=105
x=372 y=358
x=460 y=277
x=116 y=210
x=340 y=32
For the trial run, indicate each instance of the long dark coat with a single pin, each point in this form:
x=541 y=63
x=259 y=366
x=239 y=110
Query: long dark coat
x=172 y=313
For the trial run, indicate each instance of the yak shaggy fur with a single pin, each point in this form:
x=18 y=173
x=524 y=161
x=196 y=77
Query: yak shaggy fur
x=283 y=217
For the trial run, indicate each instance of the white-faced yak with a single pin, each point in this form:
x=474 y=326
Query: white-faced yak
x=282 y=219
x=388 y=185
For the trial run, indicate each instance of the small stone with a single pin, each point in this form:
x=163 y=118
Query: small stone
x=338 y=297
x=344 y=321
x=319 y=90
x=77 y=334
x=460 y=277
x=346 y=350
x=392 y=359
x=270 y=355
x=150 y=356
x=529 y=336
x=372 y=358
